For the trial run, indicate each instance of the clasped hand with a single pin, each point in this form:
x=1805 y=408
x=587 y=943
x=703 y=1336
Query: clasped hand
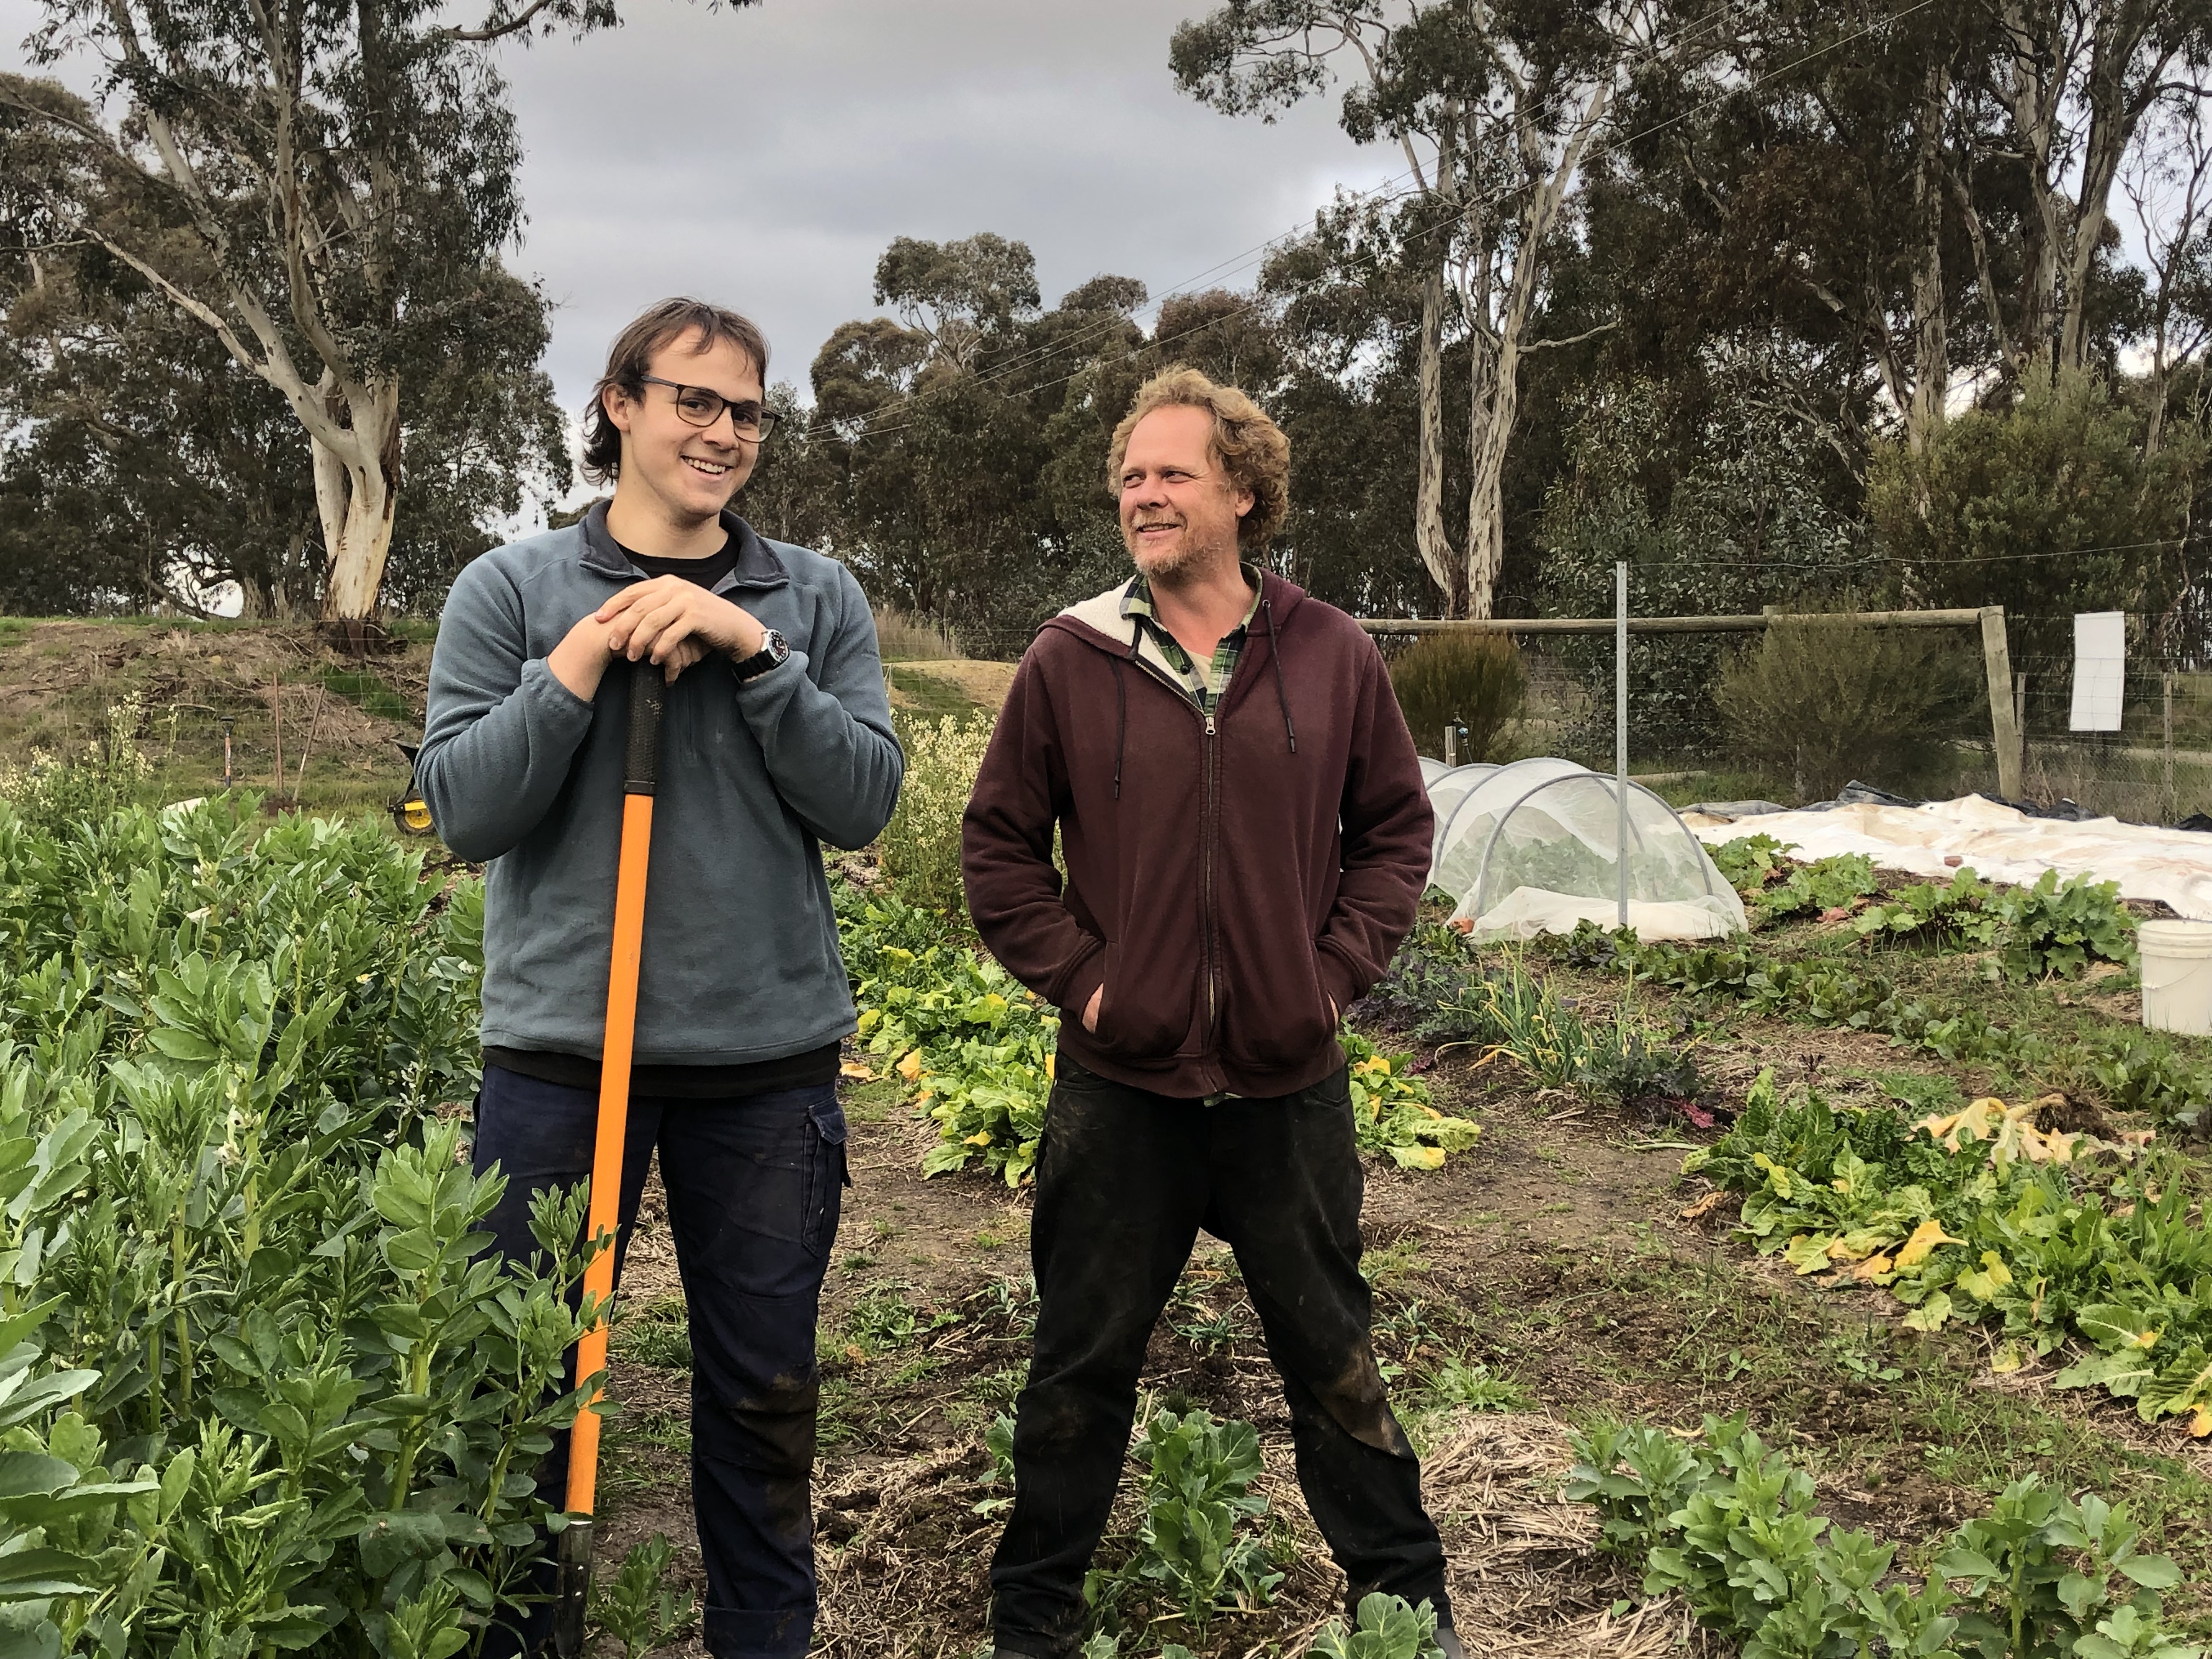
x=667 y=620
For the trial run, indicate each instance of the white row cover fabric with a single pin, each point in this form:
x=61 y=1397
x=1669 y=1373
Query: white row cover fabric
x=1532 y=847
x=1999 y=842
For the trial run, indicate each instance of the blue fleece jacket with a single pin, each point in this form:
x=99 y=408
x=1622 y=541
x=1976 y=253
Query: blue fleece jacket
x=740 y=956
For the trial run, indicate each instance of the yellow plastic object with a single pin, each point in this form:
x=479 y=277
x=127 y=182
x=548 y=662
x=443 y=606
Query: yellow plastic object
x=412 y=816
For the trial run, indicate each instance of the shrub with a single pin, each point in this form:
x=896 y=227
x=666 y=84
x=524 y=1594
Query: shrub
x=54 y=791
x=1821 y=703
x=1475 y=681
x=901 y=636
x=920 y=847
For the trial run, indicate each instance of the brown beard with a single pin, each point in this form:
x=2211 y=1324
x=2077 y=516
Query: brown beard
x=1180 y=568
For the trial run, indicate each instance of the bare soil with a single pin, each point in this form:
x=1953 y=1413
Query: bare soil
x=1558 y=1254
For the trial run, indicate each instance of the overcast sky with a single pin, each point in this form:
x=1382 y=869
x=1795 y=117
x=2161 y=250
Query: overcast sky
x=765 y=157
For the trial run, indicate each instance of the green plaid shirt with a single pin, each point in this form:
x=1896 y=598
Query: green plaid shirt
x=1204 y=682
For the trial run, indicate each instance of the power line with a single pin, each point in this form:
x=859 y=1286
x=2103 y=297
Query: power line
x=1598 y=151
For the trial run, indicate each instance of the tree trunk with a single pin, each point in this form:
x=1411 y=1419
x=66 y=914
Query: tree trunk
x=1496 y=397
x=1931 y=365
x=2030 y=90
x=356 y=488
x=1444 y=566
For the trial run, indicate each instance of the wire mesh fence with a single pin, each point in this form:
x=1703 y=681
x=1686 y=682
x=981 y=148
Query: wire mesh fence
x=2155 y=768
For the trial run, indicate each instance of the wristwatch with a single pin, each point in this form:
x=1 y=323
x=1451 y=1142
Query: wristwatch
x=774 y=648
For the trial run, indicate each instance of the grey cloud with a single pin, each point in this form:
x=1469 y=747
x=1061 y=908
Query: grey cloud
x=764 y=157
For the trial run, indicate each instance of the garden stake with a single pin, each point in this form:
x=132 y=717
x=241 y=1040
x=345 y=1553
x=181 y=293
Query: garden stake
x=641 y=766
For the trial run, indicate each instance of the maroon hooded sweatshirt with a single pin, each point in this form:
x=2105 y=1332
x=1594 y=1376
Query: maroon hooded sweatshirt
x=1229 y=876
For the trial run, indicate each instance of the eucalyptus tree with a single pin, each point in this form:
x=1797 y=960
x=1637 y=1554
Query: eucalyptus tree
x=2076 y=80
x=321 y=185
x=1495 y=106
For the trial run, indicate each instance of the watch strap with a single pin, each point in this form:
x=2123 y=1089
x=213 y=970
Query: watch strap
x=773 y=650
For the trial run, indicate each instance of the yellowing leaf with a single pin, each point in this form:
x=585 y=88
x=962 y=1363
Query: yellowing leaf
x=1925 y=1237
x=1929 y=1315
x=2009 y=1358
x=1874 y=1268
x=1049 y=1060
x=910 y=1067
x=2200 y=1422
x=853 y=1068
x=981 y=1137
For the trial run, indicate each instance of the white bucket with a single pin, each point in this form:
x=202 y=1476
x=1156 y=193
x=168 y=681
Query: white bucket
x=2177 y=976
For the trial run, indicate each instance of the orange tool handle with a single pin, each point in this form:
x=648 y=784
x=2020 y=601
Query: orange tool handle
x=641 y=769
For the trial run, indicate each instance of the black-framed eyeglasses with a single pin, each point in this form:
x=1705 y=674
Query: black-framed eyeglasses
x=702 y=405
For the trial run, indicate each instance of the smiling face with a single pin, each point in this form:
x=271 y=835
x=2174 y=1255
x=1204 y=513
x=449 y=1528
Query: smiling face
x=688 y=473
x=1180 y=511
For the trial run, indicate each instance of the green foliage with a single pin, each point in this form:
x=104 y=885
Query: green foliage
x=1473 y=681
x=274 y=1393
x=920 y=847
x=2062 y=467
x=1386 y=1627
x=1980 y=1218
x=53 y=793
x=2060 y=929
x=1717 y=486
x=977 y=1048
x=1947 y=914
x=1195 y=1543
x=1748 y=863
x=1730 y=1526
x=2135 y=1070
x=1392 y=1111
x=1820 y=704
x=1836 y=882
x=634 y=1608
x=1514 y=1012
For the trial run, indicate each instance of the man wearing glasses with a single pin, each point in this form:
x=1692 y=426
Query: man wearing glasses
x=776 y=737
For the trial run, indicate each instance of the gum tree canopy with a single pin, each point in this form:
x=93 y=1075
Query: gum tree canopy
x=324 y=186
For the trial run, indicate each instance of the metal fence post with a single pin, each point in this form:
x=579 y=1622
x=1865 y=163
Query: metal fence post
x=1620 y=728
x=2004 y=726
x=2172 y=805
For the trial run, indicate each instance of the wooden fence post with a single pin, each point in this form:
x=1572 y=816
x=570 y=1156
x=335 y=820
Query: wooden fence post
x=2004 y=728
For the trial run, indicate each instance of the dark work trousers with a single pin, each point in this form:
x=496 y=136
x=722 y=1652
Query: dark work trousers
x=1124 y=1181
x=754 y=1192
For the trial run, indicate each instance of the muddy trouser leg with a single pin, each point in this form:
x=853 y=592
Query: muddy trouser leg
x=754 y=1191
x=1121 y=1184
x=1286 y=1187
x=540 y=1135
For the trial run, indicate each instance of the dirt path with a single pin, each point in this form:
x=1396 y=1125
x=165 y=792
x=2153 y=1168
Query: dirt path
x=1554 y=1264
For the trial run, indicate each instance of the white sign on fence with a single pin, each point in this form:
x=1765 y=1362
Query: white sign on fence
x=2101 y=662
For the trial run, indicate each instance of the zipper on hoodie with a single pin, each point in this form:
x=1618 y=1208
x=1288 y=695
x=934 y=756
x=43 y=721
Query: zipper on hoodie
x=1207 y=837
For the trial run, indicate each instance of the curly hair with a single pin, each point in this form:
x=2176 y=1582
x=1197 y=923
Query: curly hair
x=1250 y=447
x=631 y=356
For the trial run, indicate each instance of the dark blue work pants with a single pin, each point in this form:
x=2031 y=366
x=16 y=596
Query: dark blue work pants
x=754 y=1192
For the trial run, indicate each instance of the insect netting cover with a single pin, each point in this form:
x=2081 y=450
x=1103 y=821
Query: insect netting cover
x=1534 y=847
x=1448 y=787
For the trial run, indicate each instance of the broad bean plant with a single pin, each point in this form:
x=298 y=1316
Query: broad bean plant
x=262 y=1388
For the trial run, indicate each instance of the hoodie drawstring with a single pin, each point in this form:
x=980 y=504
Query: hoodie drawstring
x=1275 y=656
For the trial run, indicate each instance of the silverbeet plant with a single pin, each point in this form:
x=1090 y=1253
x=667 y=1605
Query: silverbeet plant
x=262 y=1388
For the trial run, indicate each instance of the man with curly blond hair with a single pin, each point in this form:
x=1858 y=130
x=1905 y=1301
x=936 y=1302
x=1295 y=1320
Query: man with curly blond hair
x=1246 y=834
